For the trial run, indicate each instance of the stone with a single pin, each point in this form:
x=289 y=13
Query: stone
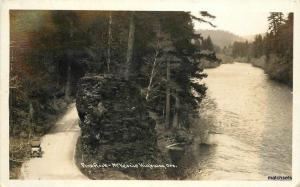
x=116 y=125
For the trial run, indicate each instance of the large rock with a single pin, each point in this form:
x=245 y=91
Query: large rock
x=116 y=127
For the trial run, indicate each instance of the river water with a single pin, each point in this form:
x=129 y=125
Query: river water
x=252 y=117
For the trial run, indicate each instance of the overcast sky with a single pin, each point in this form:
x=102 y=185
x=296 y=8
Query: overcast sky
x=238 y=22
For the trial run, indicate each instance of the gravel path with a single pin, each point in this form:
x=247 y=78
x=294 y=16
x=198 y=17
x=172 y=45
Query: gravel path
x=58 y=145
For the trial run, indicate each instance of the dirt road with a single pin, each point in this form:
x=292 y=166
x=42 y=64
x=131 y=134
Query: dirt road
x=58 y=145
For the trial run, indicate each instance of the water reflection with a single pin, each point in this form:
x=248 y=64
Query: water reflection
x=254 y=116
x=191 y=160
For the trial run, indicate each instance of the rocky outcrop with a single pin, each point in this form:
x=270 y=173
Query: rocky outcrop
x=115 y=125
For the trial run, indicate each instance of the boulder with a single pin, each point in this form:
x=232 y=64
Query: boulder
x=116 y=126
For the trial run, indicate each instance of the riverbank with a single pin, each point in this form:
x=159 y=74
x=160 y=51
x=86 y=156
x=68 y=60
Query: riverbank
x=206 y=64
x=221 y=59
x=253 y=115
x=209 y=60
x=225 y=59
x=275 y=68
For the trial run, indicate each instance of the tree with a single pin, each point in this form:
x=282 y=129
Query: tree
x=109 y=40
x=184 y=66
x=156 y=59
x=159 y=57
x=275 y=19
x=130 y=46
x=241 y=49
x=70 y=45
x=258 y=46
x=207 y=44
x=276 y=45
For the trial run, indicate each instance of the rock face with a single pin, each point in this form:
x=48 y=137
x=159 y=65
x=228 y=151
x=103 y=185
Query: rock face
x=116 y=127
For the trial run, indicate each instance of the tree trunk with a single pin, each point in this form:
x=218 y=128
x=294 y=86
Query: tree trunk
x=69 y=55
x=130 y=46
x=168 y=96
x=68 y=84
x=154 y=62
x=31 y=112
x=176 y=115
x=31 y=116
x=151 y=77
x=109 y=41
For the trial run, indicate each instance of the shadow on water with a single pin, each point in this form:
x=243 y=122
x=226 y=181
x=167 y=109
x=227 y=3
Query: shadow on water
x=253 y=121
x=192 y=159
x=189 y=159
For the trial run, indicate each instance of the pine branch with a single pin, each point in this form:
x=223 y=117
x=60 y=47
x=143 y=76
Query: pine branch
x=206 y=14
x=202 y=20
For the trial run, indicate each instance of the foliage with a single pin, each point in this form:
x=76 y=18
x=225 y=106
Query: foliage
x=240 y=49
x=52 y=50
x=207 y=44
x=276 y=45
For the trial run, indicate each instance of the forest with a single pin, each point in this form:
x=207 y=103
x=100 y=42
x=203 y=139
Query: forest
x=273 y=51
x=133 y=88
x=59 y=57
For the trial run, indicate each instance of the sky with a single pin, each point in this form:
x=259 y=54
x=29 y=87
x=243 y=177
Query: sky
x=242 y=23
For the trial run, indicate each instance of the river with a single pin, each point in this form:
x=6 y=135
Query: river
x=252 y=117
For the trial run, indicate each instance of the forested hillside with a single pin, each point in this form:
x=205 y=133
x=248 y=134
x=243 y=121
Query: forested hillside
x=272 y=52
x=220 y=38
x=52 y=50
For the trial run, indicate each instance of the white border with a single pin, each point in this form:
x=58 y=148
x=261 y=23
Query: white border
x=187 y=5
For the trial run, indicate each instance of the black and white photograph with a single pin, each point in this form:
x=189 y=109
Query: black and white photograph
x=116 y=94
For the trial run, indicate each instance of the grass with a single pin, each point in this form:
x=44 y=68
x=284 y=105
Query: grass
x=19 y=152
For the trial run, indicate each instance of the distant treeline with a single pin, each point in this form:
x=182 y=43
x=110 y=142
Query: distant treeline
x=220 y=38
x=273 y=51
